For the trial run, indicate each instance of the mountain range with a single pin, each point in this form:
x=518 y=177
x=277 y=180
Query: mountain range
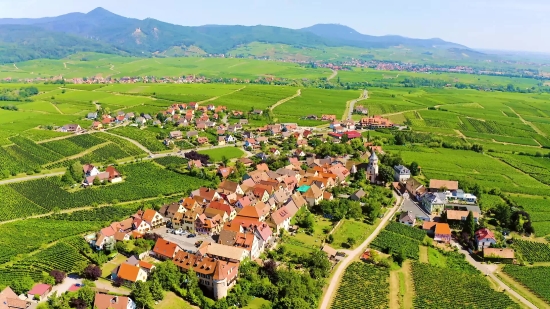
x=102 y=31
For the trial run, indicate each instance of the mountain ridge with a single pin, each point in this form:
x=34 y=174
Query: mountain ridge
x=149 y=36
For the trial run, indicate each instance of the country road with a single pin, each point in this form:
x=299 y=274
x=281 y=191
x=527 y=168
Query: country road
x=298 y=93
x=485 y=270
x=131 y=141
x=341 y=267
x=333 y=75
x=351 y=105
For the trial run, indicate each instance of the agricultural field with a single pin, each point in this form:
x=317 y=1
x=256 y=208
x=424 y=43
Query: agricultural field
x=363 y=284
x=314 y=102
x=532 y=251
x=538 y=209
x=404 y=230
x=533 y=278
x=255 y=97
x=217 y=154
x=449 y=288
x=141 y=180
x=489 y=172
x=145 y=137
x=389 y=242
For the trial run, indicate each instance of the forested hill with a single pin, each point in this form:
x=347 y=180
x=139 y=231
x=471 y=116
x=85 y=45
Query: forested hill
x=103 y=31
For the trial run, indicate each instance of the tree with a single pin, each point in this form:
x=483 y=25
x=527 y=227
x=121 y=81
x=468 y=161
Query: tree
x=399 y=257
x=78 y=303
x=58 y=276
x=86 y=294
x=67 y=178
x=156 y=290
x=385 y=173
x=92 y=272
x=22 y=285
x=351 y=241
x=344 y=138
x=469 y=226
x=503 y=214
x=96 y=182
x=167 y=275
x=225 y=160
x=142 y=296
x=318 y=264
x=414 y=168
x=47 y=279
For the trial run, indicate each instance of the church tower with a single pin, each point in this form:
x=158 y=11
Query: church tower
x=372 y=169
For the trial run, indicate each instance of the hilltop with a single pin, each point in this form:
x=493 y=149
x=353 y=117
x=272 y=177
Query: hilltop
x=102 y=31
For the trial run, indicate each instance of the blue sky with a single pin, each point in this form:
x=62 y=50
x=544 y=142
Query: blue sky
x=489 y=24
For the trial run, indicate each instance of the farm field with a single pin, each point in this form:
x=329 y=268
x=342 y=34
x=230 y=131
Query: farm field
x=230 y=152
x=363 y=284
x=350 y=228
x=533 y=278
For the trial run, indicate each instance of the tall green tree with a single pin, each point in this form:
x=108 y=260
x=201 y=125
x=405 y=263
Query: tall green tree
x=414 y=168
x=503 y=214
x=469 y=226
x=141 y=294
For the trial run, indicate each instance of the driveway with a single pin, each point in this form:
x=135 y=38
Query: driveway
x=187 y=244
x=64 y=286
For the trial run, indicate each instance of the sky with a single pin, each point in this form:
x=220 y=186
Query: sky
x=483 y=24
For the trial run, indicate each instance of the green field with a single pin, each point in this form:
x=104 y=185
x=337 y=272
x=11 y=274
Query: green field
x=230 y=152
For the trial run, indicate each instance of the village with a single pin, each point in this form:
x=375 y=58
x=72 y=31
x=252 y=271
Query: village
x=258 y=197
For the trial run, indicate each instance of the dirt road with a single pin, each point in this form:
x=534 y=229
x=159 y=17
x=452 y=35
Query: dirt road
x=334 y=282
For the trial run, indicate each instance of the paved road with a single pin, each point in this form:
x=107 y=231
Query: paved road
x=364 y=96
x=485 y=270
x=341 y=267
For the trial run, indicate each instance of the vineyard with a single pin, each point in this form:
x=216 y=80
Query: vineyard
x=363 y=286
x=146 y=138
x=405 y=230
x=16 y=206
x=128 y=147
x=533 y=278
x=142 y=180
x=444 y=288
x=170 y=160
x=389 y=242
x=532 y=251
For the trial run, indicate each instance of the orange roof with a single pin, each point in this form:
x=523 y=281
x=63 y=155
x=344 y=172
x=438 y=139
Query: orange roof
x=146 y=265
x=128 y=272
x=249 y=212
x=442 y=229
x=165 y=248
x=149 y=215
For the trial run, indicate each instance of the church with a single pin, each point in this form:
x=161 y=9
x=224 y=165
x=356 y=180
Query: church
x=372 y=168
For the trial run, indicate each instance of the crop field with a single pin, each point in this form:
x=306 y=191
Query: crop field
x=388 y=242
x=537 y=207
x=440 y=163
x=533 y=278
x=255 y=96
x=404 y=230
x=363 y=284
x=141 y=180
x=314 y=102
x=230 y=152
x=533 y=251
x=457 y=289
x=146 y=138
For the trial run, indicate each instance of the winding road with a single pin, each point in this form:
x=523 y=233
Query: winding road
x=352 y=256
x=351 y=104
x=334 y=73
x=298 y=93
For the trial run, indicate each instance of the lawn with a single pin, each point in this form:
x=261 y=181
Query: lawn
x=350 y=228
x=172 y=301
x=108 y=267
x=257 y=303
x=217 y=154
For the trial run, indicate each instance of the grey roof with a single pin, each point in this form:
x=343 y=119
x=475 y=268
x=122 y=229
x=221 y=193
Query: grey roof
x=401 y=170
x=417 y=211
x=373 y=156
x=407 y=216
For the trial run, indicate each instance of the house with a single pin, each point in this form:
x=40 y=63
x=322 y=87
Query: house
x=360 y=109
x=102 y=177
x=460 y=215
x=191 y=134
x=170 y=210
x=375 y=122
x=141 y=120
x=215 y=275
x=485 y=238
x=114 y=175
x=90 y=170
x=130 y=274
x=246 y=162
x=176 y=135
x=401 y=173
x=407 y=218
x=202 y=140
x=441 y=232
x=92 y=116
x=313 y=196
x=39 y=291
x=206 y=194
x=153 y=218
x=230 y=139
x=228 y=210
x=282 y=216
x=210 y=226
x=107 y=301
x=433 y=202
x=505 y=255
x=10 y=300
x=275 y=152
x=228 y=187
x=331 y=252
x=74 y=128
x=358 y=195
x=246 y=241
x=328 y=117
x=225 y=171
x=442 y=185
x=165 y=250
x=97 y=125
x=459 y=196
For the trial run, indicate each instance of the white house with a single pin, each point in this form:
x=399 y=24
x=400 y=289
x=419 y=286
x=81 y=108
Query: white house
x=106 y=301
x=401 y=173
x=407 y=218
x=485 y=238
x=282 y=216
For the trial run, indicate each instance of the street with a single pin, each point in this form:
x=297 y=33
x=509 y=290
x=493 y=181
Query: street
x=187 y=244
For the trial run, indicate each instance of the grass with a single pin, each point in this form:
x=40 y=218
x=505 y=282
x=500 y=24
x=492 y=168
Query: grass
x=108 y=267
x=257 y=303
x=172 y=301
x=351 y=228
x=217 y=154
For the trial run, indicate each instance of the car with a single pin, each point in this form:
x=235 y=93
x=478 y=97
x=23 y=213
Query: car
x=191 y=235
x=79 y=285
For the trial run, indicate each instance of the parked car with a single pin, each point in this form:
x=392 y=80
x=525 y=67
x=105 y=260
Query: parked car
x=191 y=235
